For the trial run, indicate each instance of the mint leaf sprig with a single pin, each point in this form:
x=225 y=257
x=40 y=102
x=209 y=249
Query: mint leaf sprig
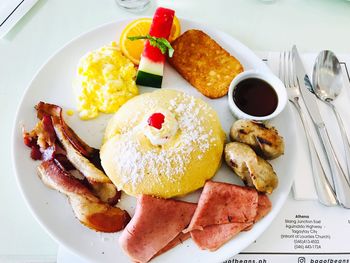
x=158 y=42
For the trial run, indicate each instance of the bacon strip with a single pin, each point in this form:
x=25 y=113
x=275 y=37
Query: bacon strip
x=101 y=184
x=91 y=194
x=83 y=157
x=42 y=140
x=56 y=111
x=47 y=109
x=90 y=210
x=90 y=171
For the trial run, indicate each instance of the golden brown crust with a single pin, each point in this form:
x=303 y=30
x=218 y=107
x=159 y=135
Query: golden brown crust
x=204 y=63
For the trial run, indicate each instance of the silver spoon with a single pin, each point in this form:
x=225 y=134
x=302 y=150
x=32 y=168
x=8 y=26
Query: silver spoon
x=327 y=84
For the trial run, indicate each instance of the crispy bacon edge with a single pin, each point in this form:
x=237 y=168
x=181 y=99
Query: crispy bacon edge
x=90 y=210
x=56 y=111
x=61 y=150
x=83 y=157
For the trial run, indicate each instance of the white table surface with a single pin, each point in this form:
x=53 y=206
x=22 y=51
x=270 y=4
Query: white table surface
x=311 y=24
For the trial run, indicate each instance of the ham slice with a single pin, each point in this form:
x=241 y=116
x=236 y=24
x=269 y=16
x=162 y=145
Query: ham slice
x=222 y=203
x=156 y=223
x=180 y=238
x=264 y=207
x=224 y=210
x=214 y=236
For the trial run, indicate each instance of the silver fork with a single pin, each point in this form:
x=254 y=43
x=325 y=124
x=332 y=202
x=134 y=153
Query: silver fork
x=325 y=192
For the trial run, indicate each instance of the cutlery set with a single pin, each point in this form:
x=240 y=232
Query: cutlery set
x=326 y=86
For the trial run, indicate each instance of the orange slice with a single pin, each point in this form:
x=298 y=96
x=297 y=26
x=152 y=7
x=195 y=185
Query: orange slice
x=133 y=49
x=175 y=30
x=141 y=27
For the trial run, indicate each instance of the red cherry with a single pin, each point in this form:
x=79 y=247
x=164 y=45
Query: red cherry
x=156 y=120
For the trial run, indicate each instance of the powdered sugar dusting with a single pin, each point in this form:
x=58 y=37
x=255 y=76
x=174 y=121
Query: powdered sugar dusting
x=192 y=141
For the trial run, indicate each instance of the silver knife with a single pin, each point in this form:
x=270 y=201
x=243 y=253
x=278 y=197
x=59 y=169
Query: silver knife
x=341 y=184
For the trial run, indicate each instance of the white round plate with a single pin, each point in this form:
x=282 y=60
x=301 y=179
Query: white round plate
x=53 y=84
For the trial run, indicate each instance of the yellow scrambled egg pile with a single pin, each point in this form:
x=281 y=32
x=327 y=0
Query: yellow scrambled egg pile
x=105 y=81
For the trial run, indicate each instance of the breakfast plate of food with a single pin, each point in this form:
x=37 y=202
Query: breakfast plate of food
x=128 y=144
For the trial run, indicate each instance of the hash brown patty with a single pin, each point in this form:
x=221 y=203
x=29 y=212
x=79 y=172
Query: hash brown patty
x=204 y=63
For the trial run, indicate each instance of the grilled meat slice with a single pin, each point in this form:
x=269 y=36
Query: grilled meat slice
x=252 y=169
x=264 y=139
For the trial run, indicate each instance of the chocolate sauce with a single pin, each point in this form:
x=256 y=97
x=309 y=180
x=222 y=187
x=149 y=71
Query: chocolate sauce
x=255 y=97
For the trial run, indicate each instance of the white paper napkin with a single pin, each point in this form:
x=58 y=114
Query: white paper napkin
x=303 y=187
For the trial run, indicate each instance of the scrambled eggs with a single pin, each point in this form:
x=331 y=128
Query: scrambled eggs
x=105 y=81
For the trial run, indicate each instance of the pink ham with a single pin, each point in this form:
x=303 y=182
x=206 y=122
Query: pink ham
x=214 y=236
x=222 y=203
x=224 y=210
x=155 y=224
x=264 y=207
x=180 y=238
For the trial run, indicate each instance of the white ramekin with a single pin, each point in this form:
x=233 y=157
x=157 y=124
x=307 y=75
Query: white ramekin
x=268 y=77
